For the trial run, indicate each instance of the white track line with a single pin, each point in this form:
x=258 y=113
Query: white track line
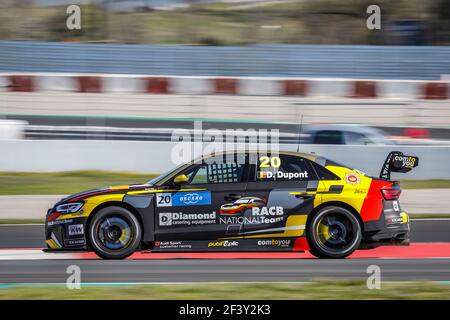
x=126 y=284
x=150 y=283
x=36 y=254
x=20 y=224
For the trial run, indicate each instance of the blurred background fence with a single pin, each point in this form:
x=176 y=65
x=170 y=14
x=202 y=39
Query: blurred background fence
x=334 y=61
x=148 y=67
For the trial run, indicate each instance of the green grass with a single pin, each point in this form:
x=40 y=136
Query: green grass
x=323 y=289
x=17 y=183
x=428 y=215
x=216 y=23
x=424 y=184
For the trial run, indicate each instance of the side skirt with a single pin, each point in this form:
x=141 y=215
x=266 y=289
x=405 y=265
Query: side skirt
x=228 y=245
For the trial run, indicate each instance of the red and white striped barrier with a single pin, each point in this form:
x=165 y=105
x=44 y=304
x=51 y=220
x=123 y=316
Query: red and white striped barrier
x=306 y=87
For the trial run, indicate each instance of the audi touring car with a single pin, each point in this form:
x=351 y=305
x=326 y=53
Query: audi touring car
x=241 y=201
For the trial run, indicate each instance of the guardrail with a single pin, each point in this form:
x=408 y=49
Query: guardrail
x=137 y=134
x=156 y=157
x=50 y=132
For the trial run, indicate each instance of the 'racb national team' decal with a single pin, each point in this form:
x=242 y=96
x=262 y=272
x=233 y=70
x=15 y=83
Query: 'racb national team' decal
x=178 y=199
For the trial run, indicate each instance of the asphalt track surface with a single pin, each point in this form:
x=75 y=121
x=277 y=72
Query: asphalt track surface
x=219 y=270
x=238 y=270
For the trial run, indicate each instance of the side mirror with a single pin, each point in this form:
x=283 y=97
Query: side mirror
x=181 y=179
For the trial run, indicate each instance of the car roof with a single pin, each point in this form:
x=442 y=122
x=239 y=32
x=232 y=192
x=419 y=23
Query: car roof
x=312 y=157
x=308 y=156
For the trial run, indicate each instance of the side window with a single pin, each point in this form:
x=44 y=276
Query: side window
x=324 y=173
x=218 y=170
x=199 y=176
x=328 y=137
x=284 y=168
x=356 y=138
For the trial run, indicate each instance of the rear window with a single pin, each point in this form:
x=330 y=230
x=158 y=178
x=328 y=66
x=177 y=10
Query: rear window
x=324 y=173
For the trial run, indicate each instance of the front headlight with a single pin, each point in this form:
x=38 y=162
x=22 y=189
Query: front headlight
x=69 y=207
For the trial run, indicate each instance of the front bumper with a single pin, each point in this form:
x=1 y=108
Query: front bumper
x=66 y=234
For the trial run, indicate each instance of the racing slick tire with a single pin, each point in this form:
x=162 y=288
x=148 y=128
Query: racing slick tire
x=114 y=233
x=333 y=232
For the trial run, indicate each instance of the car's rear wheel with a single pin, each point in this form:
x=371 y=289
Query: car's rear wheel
x=334 y=232
x=114 y=233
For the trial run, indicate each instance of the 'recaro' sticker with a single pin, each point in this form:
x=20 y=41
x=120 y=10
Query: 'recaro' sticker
x=191 y=198
x=352 y=178
x=199 y=198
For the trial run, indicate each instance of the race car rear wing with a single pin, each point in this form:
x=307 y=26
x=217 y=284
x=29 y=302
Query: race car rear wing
x=397 y=162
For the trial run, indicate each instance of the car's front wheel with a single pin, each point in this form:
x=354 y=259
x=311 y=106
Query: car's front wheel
x=114 y=233
x=334 y=232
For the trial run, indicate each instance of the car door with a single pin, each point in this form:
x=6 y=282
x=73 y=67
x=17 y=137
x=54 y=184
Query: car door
x=287 y=186
x=192 y=211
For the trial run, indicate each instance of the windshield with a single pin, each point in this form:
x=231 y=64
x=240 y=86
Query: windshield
x=164 y=175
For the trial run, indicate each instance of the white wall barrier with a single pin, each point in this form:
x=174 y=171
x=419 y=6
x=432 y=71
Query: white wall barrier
x=12 y=129
x=155 y=157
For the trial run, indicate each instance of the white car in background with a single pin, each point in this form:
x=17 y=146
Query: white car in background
x=345 y=134
x=355 y=134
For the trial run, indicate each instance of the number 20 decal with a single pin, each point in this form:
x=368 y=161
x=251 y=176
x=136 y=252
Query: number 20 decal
x=163 y=200
x=269 y=162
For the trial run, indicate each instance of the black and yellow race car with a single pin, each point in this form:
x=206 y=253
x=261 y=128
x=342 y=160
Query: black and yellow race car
x=290 y=202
